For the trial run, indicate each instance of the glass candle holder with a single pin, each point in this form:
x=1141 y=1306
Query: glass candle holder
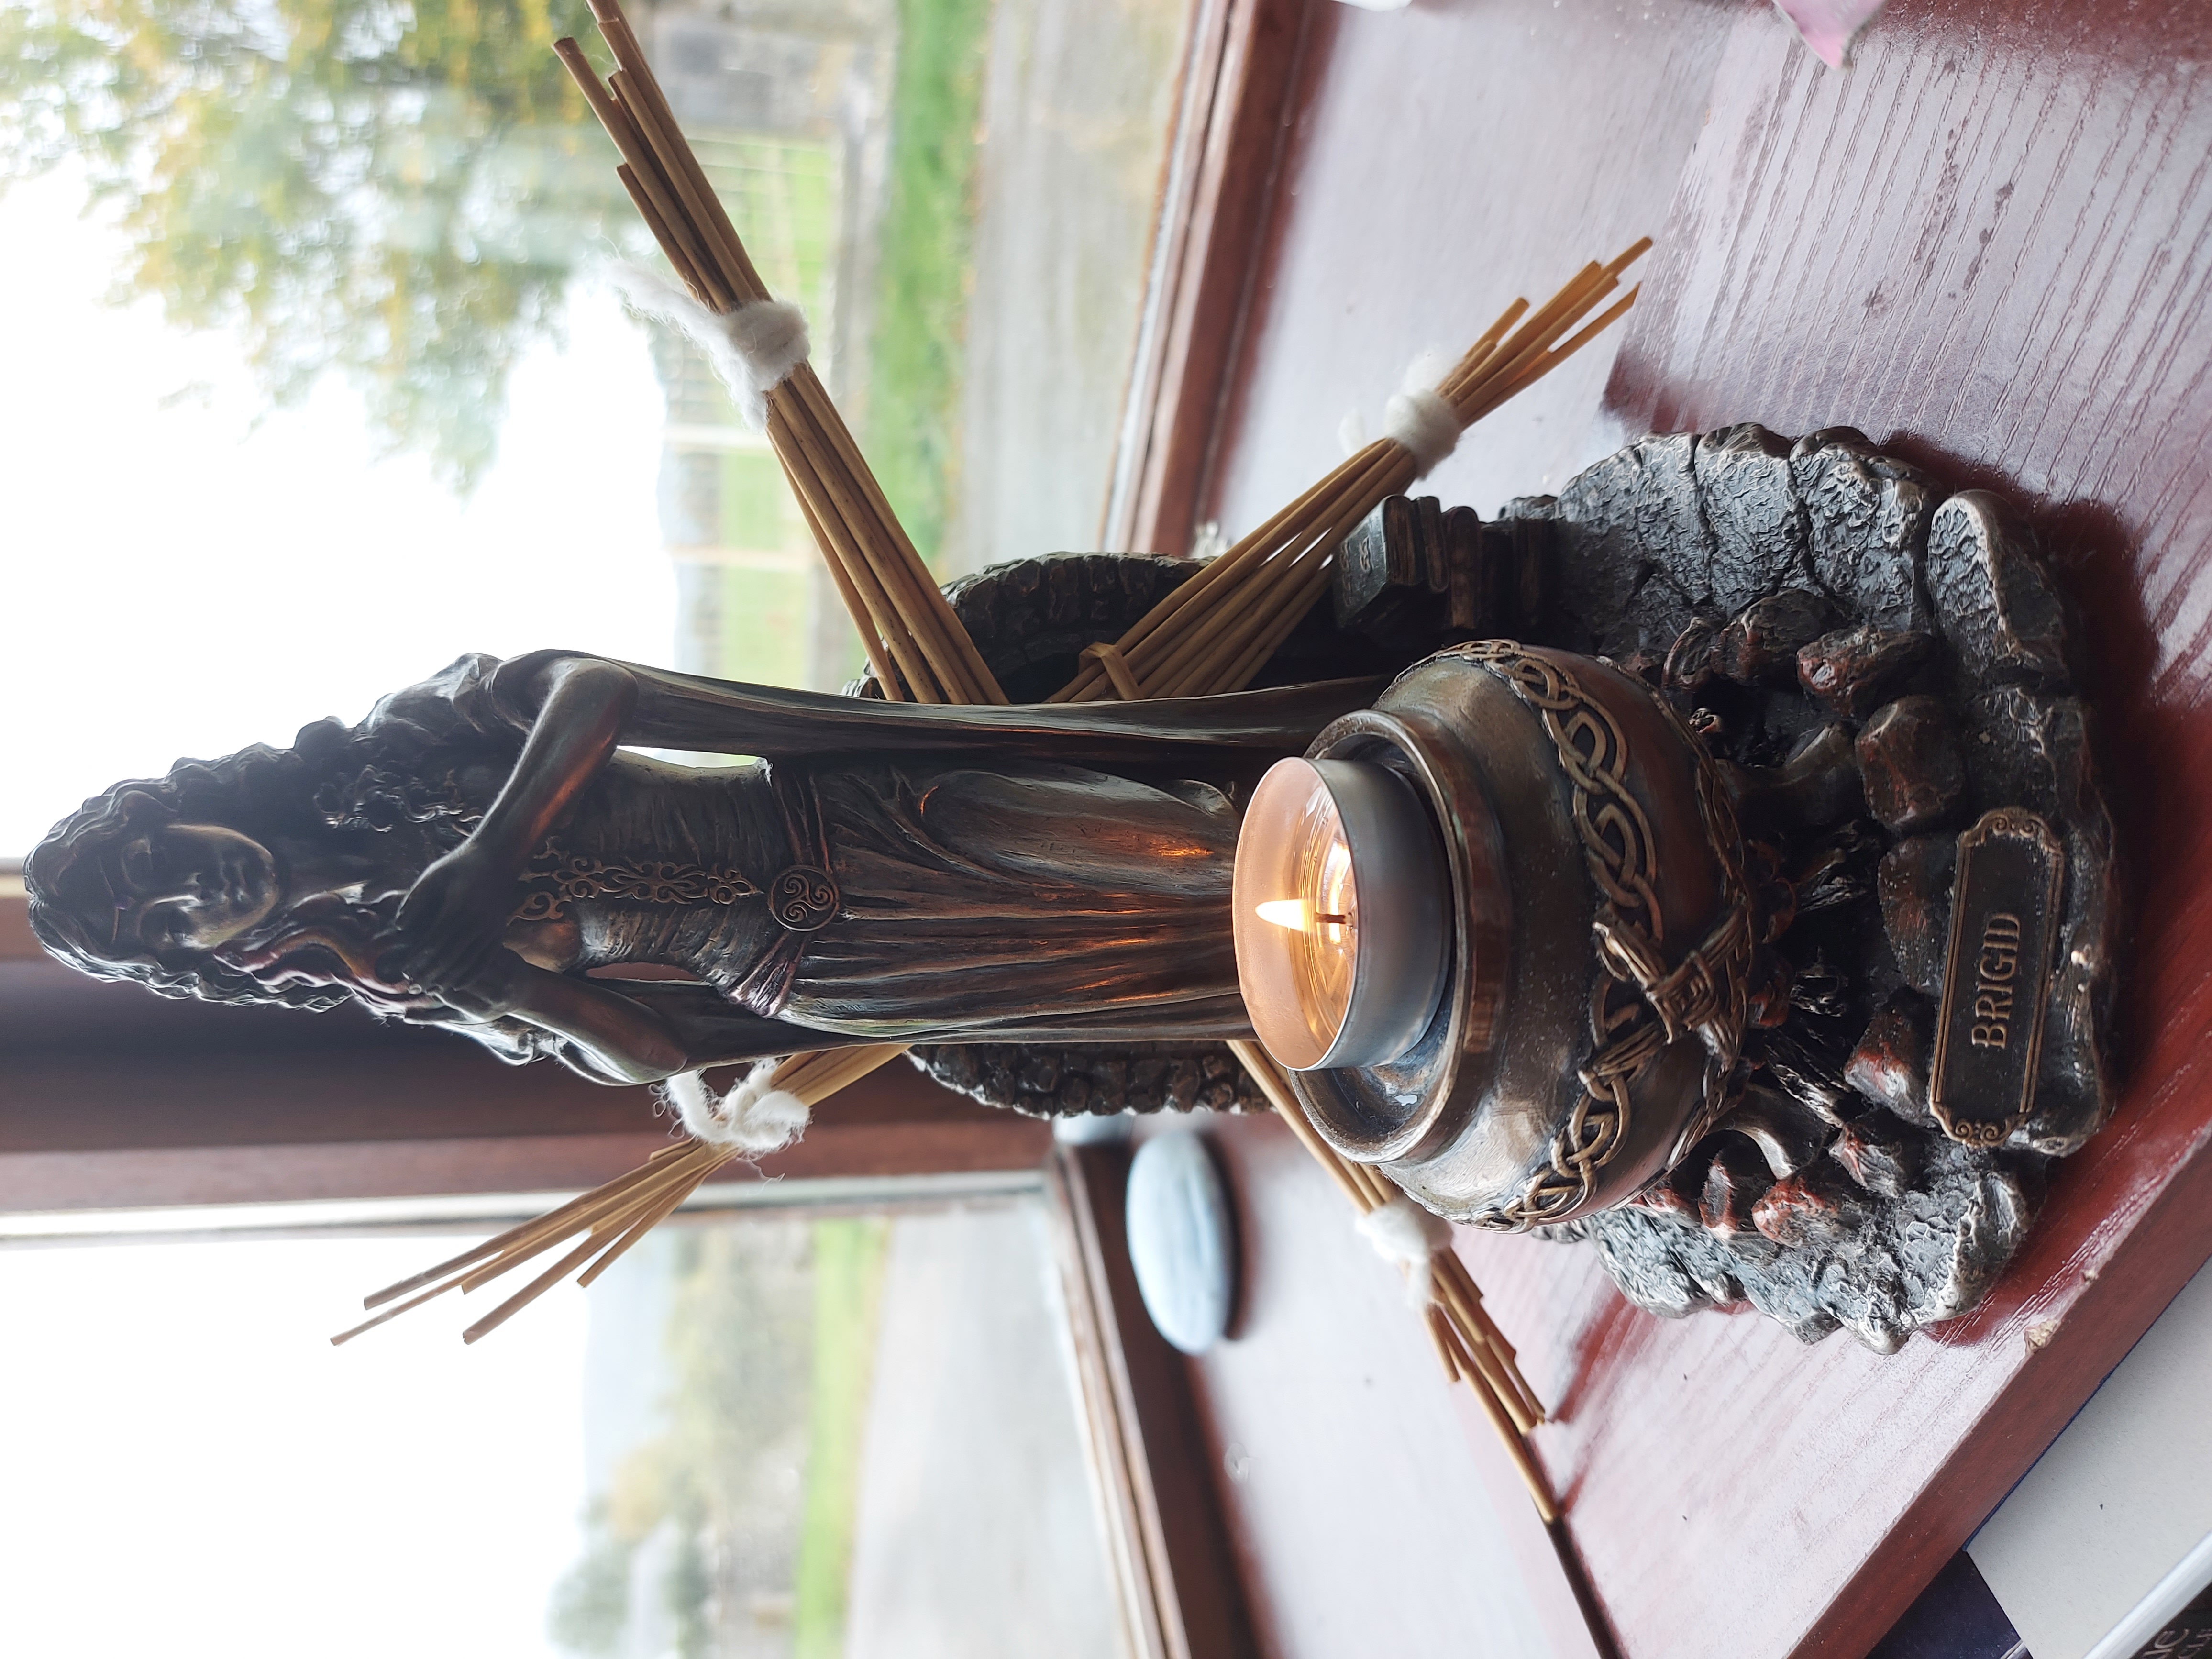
x=1340 y=898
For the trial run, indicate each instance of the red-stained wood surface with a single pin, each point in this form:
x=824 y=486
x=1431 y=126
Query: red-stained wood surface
x=1989 y=245
x=837 y=1145
x=1369 y=1506
x=1183 y=1595
x=112 y=1097
x=1220 y=177
x=1445 y=159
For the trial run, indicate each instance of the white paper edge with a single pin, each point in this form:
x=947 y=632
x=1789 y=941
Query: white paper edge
x=2167 y=1597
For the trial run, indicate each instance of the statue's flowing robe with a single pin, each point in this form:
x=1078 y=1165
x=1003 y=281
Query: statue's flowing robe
x=1054 y=872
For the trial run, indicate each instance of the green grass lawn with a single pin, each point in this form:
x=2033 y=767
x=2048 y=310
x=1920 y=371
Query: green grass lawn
x=781 y=194
x=918 y=351
x=765 y=611
x=772 y=1356
x=849 y=1277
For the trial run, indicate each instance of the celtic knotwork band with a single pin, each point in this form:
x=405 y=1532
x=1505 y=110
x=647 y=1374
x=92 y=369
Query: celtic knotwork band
x=560 y=878
x=800 y=898
x=1704 y=993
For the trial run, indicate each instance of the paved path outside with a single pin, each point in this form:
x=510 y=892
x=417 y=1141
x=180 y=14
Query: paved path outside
x=1076 y=105
x=976 y=1537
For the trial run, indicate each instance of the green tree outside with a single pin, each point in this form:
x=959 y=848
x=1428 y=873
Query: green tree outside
x=771 y=1343
x=918 y=356
x=398 y=192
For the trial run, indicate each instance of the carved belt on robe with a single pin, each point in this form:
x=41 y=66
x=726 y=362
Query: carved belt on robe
x=802 y=898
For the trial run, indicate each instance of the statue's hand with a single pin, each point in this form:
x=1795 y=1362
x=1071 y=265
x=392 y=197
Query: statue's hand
x=486 y=986
x=456 y=912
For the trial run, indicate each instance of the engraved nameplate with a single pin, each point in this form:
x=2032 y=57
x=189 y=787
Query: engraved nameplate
x=2004 y=920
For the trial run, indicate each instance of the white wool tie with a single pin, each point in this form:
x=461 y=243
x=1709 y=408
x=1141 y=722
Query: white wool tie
x=752 y=1118
x=1420 y=419
x=1403 y=1232
x=752 y=348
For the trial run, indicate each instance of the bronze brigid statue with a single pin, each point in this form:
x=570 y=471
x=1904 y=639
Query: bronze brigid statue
x=1037 y=897
x=475 y=849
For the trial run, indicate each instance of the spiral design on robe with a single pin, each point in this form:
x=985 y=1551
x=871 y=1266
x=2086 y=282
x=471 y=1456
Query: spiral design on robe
x=803 y=898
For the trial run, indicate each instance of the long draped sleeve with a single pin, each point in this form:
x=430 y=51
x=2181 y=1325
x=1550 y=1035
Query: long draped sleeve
x=1181 y=736
x=1052 y=871
x=458 y=704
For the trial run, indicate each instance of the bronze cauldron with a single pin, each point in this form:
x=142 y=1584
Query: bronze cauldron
x=1596 y=995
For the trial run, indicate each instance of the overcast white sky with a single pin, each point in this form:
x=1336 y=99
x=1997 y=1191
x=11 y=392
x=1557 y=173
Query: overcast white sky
x=191 y=1470
x=188 y=1468
x=182 y=581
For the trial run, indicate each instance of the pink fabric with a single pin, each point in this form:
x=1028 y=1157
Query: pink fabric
x=1829 y=26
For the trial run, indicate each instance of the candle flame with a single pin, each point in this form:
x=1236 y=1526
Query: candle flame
x=1297 y=915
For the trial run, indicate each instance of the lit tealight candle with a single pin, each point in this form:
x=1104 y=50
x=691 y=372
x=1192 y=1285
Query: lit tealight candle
x=1340 y=897
x=1298 y=914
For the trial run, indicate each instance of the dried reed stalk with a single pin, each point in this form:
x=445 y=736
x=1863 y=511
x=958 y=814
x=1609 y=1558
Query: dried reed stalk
x=612 y=1217
x=894 y=601
x=1211 y=635
x=1215 y=631
x=1468 y=1344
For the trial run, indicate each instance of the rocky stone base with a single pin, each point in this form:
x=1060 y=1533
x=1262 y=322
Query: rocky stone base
x=1879 y=662
x=1878 y=1266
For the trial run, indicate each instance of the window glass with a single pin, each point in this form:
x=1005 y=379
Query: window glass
x=785 y=1434
x=318 y=380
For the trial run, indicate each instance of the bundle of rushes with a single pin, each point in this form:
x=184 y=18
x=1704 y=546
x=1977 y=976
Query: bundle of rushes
x=1467 y=1341
x=610 y=1218
x=903 y=619
x=1211 y=635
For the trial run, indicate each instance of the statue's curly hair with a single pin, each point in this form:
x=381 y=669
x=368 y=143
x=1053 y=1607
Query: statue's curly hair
x=314 y=953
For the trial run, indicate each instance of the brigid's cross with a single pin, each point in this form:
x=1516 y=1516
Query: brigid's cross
x=1211 y=635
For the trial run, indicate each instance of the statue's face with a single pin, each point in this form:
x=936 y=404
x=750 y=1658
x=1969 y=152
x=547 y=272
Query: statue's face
x=192 y=886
